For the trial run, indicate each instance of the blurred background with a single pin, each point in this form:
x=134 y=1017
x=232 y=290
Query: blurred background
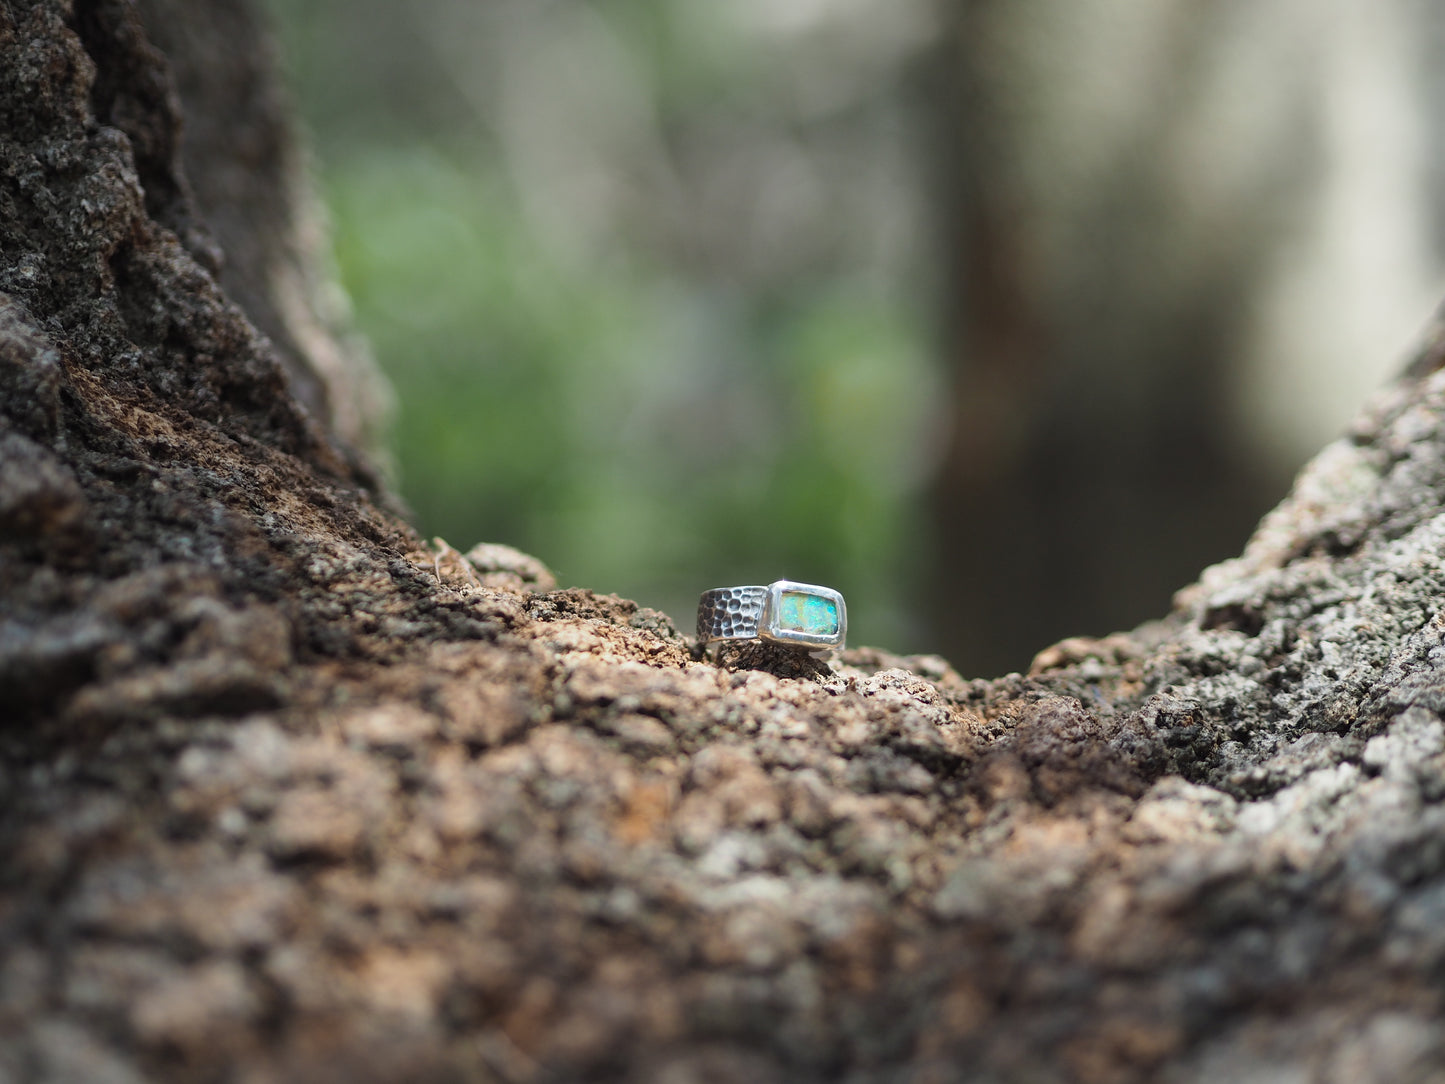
x=1003 y=317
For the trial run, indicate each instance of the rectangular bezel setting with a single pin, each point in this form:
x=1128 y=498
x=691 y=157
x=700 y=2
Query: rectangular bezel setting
x=804 y=614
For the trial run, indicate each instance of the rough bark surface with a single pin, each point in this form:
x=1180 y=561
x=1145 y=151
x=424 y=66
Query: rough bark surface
x=289 y=795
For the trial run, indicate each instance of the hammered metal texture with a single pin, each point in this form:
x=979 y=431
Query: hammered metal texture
x=730 y=613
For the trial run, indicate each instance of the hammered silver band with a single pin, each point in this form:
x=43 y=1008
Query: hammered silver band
x=801 y=615
x=730 y=613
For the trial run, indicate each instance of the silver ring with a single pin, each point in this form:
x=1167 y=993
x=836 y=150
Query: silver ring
x=784 y=612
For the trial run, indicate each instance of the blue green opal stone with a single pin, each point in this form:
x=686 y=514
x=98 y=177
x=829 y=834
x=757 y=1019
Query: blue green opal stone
x=801 y=612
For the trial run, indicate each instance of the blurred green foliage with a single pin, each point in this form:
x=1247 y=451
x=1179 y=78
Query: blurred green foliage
x=648 y=414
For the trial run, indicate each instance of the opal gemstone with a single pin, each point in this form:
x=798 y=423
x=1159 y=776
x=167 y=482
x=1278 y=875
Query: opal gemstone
x=801 y=612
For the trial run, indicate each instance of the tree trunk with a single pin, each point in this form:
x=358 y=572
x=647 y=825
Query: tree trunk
x=1146 y=210
x=289 y=795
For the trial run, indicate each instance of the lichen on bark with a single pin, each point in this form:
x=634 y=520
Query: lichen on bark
x=290 y=794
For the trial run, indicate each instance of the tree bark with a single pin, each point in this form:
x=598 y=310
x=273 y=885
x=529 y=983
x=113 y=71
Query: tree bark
x=290 y=795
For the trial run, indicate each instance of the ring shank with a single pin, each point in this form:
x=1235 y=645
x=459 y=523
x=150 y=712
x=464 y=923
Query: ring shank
x=730 y=613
